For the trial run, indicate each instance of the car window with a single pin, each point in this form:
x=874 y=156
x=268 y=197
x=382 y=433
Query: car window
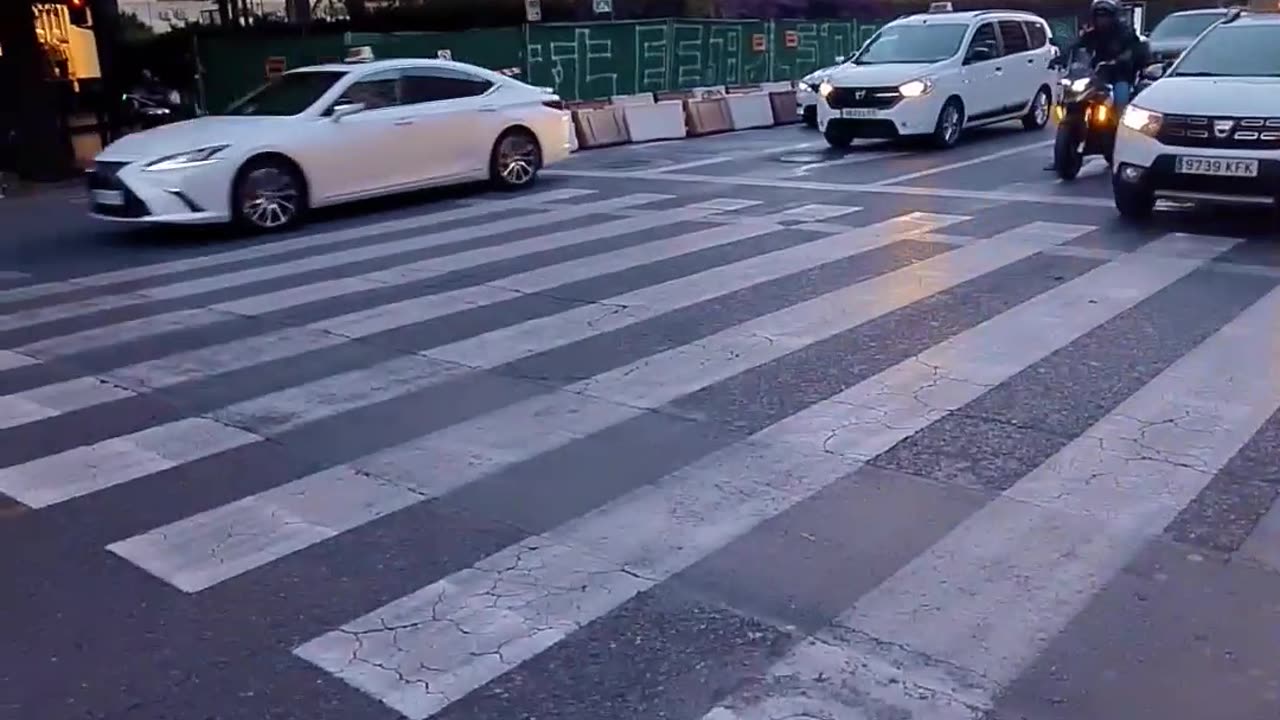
x=1014 y=37
x=1234 y=50
x=378 y=90
x=435 y=84
x=984 y=36
x=287 y=94
x=1036 y=35
x=910 y=43
x=1184 y=27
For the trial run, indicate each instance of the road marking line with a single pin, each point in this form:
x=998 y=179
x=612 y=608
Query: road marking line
x=180 y=553
x=731 y=158
x=450 y=638
x=313 y=240
x=963 y=163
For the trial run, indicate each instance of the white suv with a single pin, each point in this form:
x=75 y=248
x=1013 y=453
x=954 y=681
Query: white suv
x=1209 y=128
x=938 y=73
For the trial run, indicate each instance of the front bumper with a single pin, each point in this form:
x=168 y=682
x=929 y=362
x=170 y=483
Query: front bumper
x=805 y=98
x=907 y=117
x=1149 y=166
x=124 y=192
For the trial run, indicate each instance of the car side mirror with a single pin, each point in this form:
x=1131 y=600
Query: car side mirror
x=980 y=53
x=1154 y=72
x=345 y=110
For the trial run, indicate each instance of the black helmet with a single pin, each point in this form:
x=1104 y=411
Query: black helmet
x=1109 y=7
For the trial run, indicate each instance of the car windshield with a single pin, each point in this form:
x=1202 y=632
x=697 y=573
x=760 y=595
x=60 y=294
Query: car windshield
x=913 y=44
x=288 y=94
x=1186 y=27
x=1234 y=51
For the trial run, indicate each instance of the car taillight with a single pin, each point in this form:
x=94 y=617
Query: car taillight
x=554 y=104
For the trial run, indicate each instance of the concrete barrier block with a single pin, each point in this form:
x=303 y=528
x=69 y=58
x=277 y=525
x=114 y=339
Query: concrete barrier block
x=599 y=124
x=657 y=121
x=783 y=104
x=708 y=116
x=637 y=99
x=778 y=86
x=751 y=109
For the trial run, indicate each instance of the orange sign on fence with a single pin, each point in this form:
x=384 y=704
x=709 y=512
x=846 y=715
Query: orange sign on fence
x=276 y=66
x=758 y=42
x=791 y=39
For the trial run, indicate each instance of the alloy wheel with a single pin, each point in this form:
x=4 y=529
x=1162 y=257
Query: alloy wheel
x=517 y=159
x=269 y=197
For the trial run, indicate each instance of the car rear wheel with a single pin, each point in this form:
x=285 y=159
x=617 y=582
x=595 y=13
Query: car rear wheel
x=1038 y=114
x=269 y=195
x=515 y=160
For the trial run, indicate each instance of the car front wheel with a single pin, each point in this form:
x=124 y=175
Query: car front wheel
x=1133 y=203
x=838 y=135
x=269 y=195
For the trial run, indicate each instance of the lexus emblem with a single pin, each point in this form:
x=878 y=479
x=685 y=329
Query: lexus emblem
x=860 y=94
x=1222 y=128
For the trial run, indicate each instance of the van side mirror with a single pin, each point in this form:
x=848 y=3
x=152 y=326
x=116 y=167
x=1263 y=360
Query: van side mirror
x=345 y=110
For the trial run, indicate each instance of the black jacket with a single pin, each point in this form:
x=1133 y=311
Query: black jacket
x=1118 y=45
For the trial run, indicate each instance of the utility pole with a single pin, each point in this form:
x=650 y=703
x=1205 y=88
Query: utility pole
x=43 y=146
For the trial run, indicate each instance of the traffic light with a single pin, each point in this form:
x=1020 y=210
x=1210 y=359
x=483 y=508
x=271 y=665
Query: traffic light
x=78 y=10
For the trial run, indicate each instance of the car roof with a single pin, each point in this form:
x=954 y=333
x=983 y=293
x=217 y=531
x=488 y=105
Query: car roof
x=1256 y=18
x=397 y=63
x=969 y=16
x=1200 y=11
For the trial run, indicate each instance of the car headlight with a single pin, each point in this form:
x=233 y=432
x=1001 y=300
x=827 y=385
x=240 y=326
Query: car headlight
x=188 y=159
x=1079 y=84
x=825 y=88
x=915 y=88
x=1144 y=121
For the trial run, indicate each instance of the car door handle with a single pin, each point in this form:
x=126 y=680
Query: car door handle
x=999 y=69
x=404 y=121
x=1031 y=61
x=488 y=108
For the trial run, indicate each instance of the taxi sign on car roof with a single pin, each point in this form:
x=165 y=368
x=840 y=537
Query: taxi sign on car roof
x=940 y=7
x=361 y=54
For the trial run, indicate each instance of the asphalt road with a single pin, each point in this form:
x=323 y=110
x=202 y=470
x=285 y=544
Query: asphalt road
x=736 y=428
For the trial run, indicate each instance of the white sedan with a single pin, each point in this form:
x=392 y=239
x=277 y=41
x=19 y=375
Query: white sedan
x=329 y=134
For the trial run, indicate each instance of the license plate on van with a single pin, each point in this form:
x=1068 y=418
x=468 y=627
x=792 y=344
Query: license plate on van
x=859 y=113
x=1219 y=167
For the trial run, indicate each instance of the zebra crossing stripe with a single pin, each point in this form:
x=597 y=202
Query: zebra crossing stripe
x=314 y=240
x=466 y=451
x=422 y=652
x=967 y=616
x=10 y=360
x=80 y=393
x=188 y=288
x=280 y=523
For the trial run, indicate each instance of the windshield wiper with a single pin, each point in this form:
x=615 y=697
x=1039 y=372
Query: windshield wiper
x=1200 y=73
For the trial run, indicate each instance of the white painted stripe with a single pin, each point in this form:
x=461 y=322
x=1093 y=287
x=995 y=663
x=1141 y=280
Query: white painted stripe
x=415 y=310
x=181 y=552
x=287 y=409
x=314 y=240
x=90 y=468
x=529 y=338
x=974 y=611
x=237 y=354
x=555 y=583
x=985 y=157
x=324 y=261
x=50 y=400
x=100 y=337
x=434 y=267
x=10 y=360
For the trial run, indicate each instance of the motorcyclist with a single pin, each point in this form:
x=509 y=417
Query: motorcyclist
x=1112 y=46
x=1115 y=51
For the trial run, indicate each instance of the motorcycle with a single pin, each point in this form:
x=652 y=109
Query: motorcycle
x=1087 y=121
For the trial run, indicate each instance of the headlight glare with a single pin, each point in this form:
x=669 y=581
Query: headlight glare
x=1080 y=84
x=1142 y=120
x=825 y=88
x=915 y=88
x=188 y=159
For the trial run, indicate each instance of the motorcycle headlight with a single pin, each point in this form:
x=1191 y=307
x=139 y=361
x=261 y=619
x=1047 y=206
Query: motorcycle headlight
x=188 y=159
x=915 y=88
x=825 y=88
x=1144 y=121
x=1080 y=84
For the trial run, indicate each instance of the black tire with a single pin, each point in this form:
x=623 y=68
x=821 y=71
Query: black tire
x=1131 y=202
x=515 y=160
x=950 y=125
x=1067 y=159
x=269 y=195
x=811 y=117
x=838 y=135
x=1038 y=114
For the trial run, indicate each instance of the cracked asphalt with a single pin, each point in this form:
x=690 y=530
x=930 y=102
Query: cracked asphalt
x=734 y=428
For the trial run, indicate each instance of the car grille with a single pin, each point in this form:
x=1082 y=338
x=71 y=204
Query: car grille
x=103 y=176
x=1252 y=133
x=863 y=97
